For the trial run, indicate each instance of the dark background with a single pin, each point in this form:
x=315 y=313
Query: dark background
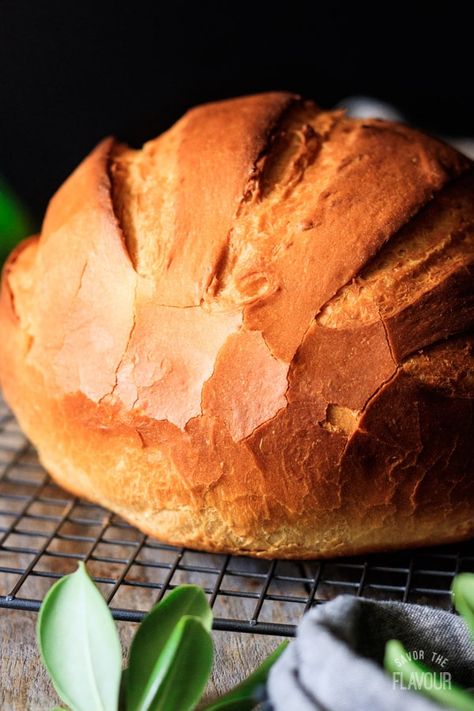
x=72 y=72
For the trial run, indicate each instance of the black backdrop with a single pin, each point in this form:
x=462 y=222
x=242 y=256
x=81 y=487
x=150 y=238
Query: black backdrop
x=72 y=72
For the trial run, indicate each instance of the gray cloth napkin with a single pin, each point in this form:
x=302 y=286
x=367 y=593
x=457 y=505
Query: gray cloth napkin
x=335 y=662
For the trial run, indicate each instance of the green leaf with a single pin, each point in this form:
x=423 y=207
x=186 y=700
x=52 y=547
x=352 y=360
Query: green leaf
x=122 y=705
x=154 y=633
x=79 y=644
x=453 y=698
x=236 y=705
x=180 y=674
x=14 y=221
x=242 y=697
x=463 y=595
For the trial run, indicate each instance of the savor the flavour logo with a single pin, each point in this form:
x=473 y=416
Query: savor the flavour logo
x=434 y=675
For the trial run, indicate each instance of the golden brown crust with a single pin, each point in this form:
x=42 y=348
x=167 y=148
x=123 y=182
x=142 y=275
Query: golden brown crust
x=219 y=336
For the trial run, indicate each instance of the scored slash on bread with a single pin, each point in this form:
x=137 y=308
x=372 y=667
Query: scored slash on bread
x=254 y=335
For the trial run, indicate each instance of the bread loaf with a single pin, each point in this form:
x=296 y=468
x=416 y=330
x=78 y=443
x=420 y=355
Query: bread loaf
x=255 y=334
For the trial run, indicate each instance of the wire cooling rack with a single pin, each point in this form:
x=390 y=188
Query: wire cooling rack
x=44 y=532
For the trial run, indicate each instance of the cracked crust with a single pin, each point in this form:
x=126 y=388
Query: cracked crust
x=254 y=335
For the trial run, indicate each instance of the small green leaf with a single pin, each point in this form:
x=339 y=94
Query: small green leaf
x=235 y=705
x=79 y=644
x=14 y=221
x=180 y=674
x=154 y=633
x=242 y=697
x=453 y=698
x=122 y=705
x=463 y=595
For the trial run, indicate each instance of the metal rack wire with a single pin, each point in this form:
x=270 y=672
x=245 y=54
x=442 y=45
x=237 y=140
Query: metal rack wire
x=44 y=532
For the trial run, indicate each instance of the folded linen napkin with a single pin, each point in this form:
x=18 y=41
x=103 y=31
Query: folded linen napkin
x=335 y=662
